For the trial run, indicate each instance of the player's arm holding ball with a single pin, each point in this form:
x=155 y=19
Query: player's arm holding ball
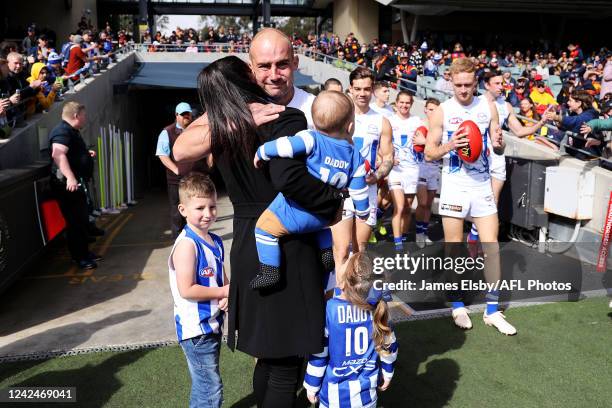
x=184 y=260
x=433 y=149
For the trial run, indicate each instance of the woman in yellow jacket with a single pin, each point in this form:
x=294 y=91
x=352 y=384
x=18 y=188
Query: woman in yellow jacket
x=541 y=98
x=46 y=92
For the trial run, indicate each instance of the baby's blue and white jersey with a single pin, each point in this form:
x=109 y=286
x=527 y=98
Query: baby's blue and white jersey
x=366 y=138
x=346 y=372
x=403 y=132
x=194 y=318
x=454 y=170
x=334 y=161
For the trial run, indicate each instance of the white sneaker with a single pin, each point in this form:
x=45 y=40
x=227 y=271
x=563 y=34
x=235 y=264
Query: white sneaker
x=461 y=318
x=610 y=304
x=428 y=241
x=420 y=240
x=498 y=320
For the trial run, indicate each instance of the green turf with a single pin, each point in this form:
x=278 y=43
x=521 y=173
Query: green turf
x=560 y=358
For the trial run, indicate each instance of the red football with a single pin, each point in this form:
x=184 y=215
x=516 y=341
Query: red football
x=423 y=131
x=471 y=152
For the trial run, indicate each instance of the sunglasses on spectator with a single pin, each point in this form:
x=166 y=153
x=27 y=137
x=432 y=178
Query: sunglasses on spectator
x=520 y=87
x=186 y=114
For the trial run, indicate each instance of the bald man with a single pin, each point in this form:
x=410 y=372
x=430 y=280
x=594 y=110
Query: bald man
x=273 y=63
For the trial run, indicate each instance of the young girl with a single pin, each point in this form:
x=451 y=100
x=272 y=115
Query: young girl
x=360 y=348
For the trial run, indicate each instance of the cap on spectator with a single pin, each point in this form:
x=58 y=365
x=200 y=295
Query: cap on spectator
x=54 y=58
x=88 y=32
x=493 y=60
x=606 y=106
x=403 y=55
x=572 y=76
x=77 y=39
x=437 y=57
x=424 y=45
x=182 y=108
x=31 y=29
x=537 y=77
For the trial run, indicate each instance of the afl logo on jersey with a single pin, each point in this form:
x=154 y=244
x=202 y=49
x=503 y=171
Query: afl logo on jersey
x=207 y=272
x=455 y=121
x=482 y=117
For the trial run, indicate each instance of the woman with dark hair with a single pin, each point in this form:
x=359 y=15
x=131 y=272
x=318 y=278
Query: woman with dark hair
x=281 y=325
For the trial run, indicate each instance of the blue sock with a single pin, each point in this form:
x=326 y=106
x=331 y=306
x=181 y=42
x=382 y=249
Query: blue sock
x=324 y=238
x=419 y=227
x=424 y=227
x=399 y=245
x=404 y=237
x=473 y=235
x=457 y=305
x=268 y=250
x=492 y=298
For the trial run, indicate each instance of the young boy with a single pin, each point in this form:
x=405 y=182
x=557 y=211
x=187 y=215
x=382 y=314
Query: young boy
x=199 y=288
x=330 y=157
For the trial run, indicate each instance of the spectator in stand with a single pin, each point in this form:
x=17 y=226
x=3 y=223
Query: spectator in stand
x=541 y=98
x=332 y=84
x=30 y=39
x=106 y=44
x=527 y=110
x=5 y=129
x=591 y=82
x=542 y=69
x=431 y=66
x=384 y=65
x=40 y=53
x=380 y=104
x=405 y=71
x=507 y=61
x=211 y=36
x=457 y=52
x=232 y=37
x=416 y=58
x=444 y=83
x=564 y=95
x=77 y=59
x=575 y=52
x=606 y=80
x=508 y=83
x=192 y=47
x=581 y=111
x=221 y=37
x=518 y=93
x=341 y=62
x=54 y=67
x=16 y=86
x=45 y=92
x=600 y=129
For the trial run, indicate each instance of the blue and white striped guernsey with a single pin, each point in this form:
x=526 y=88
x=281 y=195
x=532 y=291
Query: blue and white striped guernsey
x=194 y=318
x=345 y=374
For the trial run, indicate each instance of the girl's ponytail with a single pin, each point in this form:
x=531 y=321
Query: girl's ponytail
x=380 y=324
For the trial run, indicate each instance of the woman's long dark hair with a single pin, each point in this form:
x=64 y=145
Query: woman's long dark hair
x=225 y=89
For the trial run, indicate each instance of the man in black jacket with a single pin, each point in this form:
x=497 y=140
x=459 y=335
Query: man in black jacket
x=72 y=165
x=16 y=86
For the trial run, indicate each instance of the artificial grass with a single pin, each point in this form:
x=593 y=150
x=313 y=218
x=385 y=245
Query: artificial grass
x=560 y=358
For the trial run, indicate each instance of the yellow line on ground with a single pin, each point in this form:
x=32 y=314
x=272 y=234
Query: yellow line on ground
x=120 y=222
x=113 y=234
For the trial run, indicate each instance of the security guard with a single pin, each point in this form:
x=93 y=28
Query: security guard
x=72 y=165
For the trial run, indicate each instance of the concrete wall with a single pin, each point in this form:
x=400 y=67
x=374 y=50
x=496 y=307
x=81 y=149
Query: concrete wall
x=50 y=13
x=359 y=17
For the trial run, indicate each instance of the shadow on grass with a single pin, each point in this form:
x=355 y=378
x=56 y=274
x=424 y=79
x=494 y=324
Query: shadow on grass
x=434 y=384
x=95 y=383
x=610 y=315
x=246 y=402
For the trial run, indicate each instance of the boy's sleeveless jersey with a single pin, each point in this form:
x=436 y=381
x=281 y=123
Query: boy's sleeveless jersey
x=193 y=318
x=352 y=373
x=403 y=132
x=366 y=138
x=333 y=161
x=454 y=170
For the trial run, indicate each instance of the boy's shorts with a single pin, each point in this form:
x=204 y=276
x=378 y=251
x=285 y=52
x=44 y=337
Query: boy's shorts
x=498 y=166
x=294 y=218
